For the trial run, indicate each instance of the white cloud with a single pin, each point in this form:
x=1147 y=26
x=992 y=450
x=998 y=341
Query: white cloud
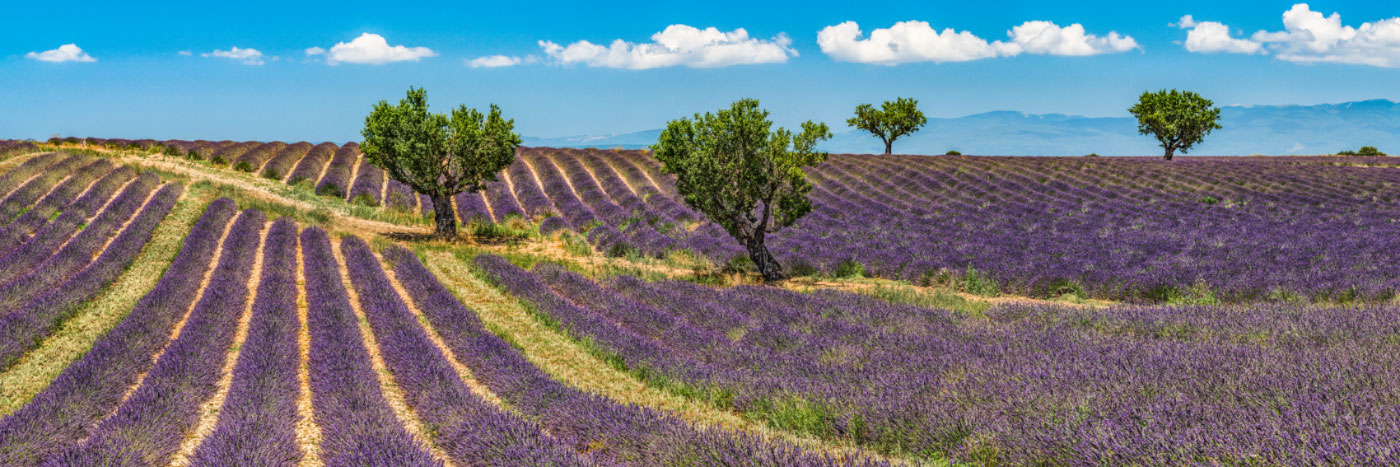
x=498 y=61
x=677 y=45
x=1047 y=38
x=244 y=56
x=371 y=49
x=184 y=53
x=64 y=53
x=1307 y=37
x=917 y=41
x=1212 y=37
x=906 y=41
x=1310 y=37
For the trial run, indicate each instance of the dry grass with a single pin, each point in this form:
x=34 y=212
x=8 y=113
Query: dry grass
x=209 y=411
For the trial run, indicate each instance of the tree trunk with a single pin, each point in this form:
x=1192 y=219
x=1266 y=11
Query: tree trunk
x=1170 y=152
x=767 y=265
x=446 y=219
x=889 y=145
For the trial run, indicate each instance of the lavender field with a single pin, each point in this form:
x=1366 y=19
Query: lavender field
x=1245 y=315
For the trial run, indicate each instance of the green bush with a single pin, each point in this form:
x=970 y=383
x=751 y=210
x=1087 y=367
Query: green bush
x=364 y=199
x=952 y=153
x=850 y=268
x=1369 y=151
x=979 y=283
x=271 y=174
x=243 y=166
x=1092 y=154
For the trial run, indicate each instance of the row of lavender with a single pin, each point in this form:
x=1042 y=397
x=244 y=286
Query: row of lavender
x=1027 y=385
x=138 y=395
x=1122 y=228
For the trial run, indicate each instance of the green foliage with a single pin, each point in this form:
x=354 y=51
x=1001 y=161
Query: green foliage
x=436 y=154
x=1092 y=154
x=952 y=152
x=979 y=283
x=893 y=120
x=364 y=199
x=1365 y=151
x=271 y=174
x=850 y=268
x=1208 y=200
x=243 y=166
x=1179 y=119
x=172 y=151
x=740 y=173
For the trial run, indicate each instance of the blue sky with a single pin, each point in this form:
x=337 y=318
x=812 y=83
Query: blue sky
x=131 y=80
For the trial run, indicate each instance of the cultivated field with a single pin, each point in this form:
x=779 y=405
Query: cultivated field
x=221 y=303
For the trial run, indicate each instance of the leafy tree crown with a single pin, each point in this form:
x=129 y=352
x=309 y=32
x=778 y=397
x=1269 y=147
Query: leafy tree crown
x=436 y=154
x=1179 y=119
x=744 y=176
x=893 y=120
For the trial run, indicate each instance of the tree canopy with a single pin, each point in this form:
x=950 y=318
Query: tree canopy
x=1179 y=119
x=892 y=121
x=438 y=155
x=744 y=176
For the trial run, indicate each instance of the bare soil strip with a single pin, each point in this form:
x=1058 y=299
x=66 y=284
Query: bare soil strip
x=564 y=175
x=308 y=432
x=321 y=173
x=566 y=361
x=536 y=175
x=392 y=393
x=20 y=185
x=354 y=173
x=489 y=210
x=455 y=213
x=36 y=369
x=510 y=186
x=209 y=412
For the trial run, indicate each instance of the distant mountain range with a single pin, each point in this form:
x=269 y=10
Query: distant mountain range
x=1271 y=130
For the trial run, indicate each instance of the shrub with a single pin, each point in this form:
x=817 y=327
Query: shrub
x=172 y=150
x=1092 y=154
x=1208 y=200
x=271 y=173
x=952 y=153
x=243 y=166
x=979 y=283
x=850 y=268
x=1369 y=151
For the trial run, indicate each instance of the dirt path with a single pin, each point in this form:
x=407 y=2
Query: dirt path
x=567 y=362
x=307 y=431
x=209 y=411
x=392 y=393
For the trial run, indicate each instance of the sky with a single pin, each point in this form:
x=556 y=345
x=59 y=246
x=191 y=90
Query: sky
x=312 y=71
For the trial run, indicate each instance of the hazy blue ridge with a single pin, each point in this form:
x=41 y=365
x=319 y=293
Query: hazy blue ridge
x=1272 y=130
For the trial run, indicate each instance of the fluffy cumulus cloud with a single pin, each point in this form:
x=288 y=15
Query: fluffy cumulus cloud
x=1307 y=37
x=677 y=45
x=917 y=41
x=1046 y=38
x=64 y=53
x=244 y=56
x=1214 y=37
x=371 y=49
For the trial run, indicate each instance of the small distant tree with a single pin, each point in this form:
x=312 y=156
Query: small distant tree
x=1179 y=119
x=893 y=120
x=744 y=176
x=1369 y=151
x=438 y=155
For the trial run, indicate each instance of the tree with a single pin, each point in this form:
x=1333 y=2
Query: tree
x=1179 y=119
x=893 y=120
x=742 y=175
x=1369 y=151
x=438 y=155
